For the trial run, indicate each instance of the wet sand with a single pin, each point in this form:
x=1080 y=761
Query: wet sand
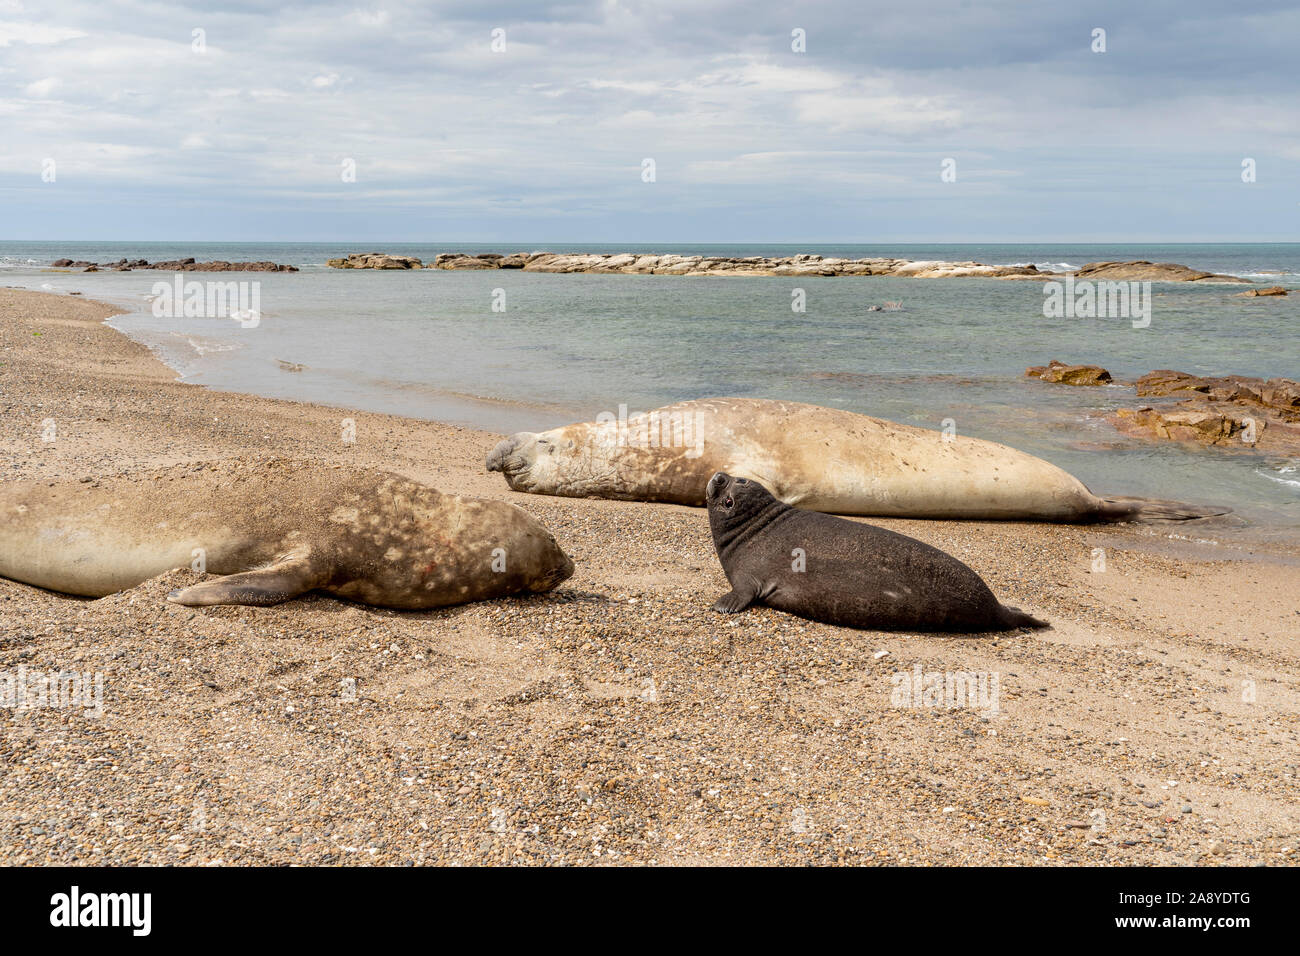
x=618 y=719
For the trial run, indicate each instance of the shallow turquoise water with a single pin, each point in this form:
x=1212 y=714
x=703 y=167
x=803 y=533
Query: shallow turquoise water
x=428 y=344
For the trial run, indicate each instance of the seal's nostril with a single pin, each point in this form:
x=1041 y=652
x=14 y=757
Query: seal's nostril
x=715 y=484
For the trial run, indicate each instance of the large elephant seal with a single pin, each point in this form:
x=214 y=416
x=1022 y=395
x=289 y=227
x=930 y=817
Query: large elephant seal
x=277 y=528
x=820 y=459
x=839 y=571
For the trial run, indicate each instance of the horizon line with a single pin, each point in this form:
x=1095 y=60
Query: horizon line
x=684 y=242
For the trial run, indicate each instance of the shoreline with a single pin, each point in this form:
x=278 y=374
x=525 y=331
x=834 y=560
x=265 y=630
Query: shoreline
x=454 y=401
x=460 y=410
x=617 y=719
x=1265 y=522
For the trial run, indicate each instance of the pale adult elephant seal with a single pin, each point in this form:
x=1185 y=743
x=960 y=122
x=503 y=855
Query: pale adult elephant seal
x=839 y=571
x=820 y=459
x=277 y=528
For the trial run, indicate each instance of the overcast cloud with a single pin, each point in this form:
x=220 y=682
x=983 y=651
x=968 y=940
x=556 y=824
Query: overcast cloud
x=246 y=138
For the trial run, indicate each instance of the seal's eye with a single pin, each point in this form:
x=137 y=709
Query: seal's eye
x=727 y=502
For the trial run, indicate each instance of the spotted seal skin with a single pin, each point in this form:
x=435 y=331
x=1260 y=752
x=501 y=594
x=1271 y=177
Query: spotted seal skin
x=274 y=529
x=842 y=572
x=819 y=459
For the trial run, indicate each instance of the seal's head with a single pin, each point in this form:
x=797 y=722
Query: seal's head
x=733 y=503
x=535 y=559
x=516 y=457
x=534 y=461
x=556 y=567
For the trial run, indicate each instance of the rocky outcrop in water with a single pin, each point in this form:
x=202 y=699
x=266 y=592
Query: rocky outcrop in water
x=671 y=264
x=1063 y=374
x=800 y=265
x=1229 y=411
x=1139 y=270
x=1278 y=395
x=174 y=265
x=1271 y=290
x=375 y=260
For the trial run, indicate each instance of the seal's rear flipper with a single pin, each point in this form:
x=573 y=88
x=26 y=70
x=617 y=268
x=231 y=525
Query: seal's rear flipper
x=1153 y=509
x=1014 y=617
x=272 y=584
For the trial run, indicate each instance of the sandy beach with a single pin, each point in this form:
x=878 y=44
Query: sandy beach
x=618 y=720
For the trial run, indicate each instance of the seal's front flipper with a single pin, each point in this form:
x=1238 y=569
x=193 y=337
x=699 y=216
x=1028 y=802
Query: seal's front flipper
x=279 y=581
x=735 y=600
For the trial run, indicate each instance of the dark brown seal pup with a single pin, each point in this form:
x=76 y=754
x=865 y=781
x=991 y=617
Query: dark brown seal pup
x=839 y=571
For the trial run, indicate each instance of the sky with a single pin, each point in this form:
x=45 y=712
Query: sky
x=833 y=121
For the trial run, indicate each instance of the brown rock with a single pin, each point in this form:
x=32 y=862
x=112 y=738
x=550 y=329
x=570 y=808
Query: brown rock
x=1232 y=411
x=1206 y=426
x=1278 y=396
x=1064 y=374
x=189 y=265
x=1251 y=293
x=178 y=265
x=375 y=260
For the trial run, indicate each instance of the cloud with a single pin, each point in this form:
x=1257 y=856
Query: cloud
x=879 y=112
x=557 y=124
x=41 y=88
x=14 y=31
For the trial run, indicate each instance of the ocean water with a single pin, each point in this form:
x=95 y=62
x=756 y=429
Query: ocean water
x=429 y=344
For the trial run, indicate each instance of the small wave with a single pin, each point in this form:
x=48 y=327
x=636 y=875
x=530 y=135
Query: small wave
x=1279 y=474
x=1046 y=266
x=207 y=346
x=204 y=348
